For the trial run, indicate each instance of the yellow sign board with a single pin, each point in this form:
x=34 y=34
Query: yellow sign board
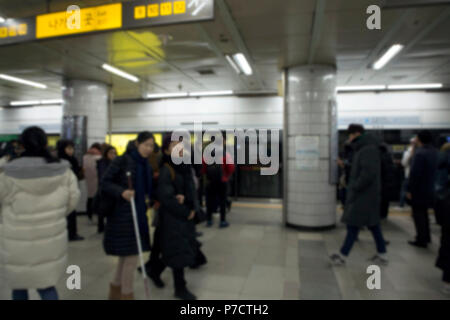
x=86 y=20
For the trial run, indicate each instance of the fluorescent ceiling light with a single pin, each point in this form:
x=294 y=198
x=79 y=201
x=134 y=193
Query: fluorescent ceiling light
x=390 y=53
x=362 y=88
x=243 y=64
x=35 y=102
x=119 y=72
x=2 y=20
x=23 y=81
x=211 y=93
x=52 y=101
x=24 y=103
x=167 y=95
x=415 y=86
x=233 y=64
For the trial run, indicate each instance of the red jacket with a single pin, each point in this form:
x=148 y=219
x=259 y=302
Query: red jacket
x=227 y=167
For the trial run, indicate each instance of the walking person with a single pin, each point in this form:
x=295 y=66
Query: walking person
x=90 y=173
x=109 y=154
x=66 y=151
x=362 y=207
x=120 y=238
x=218 y=176
x=175 y=230
x=421 y=187
x=443 y=214
x=37 y=192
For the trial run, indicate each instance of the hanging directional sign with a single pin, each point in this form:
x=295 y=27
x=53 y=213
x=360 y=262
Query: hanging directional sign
x=115 y=16
x=151 y=13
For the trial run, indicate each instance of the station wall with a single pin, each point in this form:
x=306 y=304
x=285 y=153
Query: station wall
x=392 y=110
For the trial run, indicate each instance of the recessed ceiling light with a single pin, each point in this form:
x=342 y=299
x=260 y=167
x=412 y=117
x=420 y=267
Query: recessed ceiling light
x=362 y=88
x=23 y=81
x=415 y=86
x=120 y=73
x=387 y=56
x=167 y=95
x=211 y=93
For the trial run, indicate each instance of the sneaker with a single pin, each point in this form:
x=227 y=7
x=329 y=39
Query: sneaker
x=185 y=295
x=76 y=238
x=378 y=259
x=209 y=223
x=337 y=259
x=224 y=224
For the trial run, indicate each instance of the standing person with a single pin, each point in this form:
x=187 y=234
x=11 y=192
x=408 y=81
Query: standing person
x=66 y=151
x=421 y=186
x=218 y=176
x=90 y=172
x=176 y=229
x=406 y=163
x=443 y=214
x=362 y=207
x=109 y=154
x=120 y=238
x=37 y=191
x=387 y=179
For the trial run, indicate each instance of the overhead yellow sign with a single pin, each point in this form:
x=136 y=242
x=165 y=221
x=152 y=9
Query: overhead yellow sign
x=85 y=20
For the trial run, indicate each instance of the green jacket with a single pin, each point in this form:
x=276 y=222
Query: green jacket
x=362 y=207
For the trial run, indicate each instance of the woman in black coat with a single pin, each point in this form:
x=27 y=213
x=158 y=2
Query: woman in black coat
x=109 y=154
x=66 y=150
x=120 y=237
x=176 y=213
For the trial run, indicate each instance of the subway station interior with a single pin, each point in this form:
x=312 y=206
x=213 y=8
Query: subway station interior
x=338 y=93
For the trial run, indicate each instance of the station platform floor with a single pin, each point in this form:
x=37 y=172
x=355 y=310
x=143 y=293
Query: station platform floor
x=256 y=258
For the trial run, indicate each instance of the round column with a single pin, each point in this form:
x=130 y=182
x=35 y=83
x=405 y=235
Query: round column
x=311 y=135
x=89 y=99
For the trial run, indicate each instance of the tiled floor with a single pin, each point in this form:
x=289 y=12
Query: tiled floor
x=257 y=258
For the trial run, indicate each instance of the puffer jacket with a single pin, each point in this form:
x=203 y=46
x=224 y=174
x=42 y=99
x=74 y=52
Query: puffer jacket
x=36 y=197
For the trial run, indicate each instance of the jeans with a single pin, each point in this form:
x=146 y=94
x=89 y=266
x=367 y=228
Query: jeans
x=352 y=234
x=46 y=294
x=403 y=192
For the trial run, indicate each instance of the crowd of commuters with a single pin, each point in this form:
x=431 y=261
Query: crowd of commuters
x=39 y=194
x=367 y=184
x=42 y=189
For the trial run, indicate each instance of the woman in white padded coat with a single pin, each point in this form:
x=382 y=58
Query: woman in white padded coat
x=37 y=192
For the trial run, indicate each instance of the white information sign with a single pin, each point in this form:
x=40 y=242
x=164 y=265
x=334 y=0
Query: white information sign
x=307 y=153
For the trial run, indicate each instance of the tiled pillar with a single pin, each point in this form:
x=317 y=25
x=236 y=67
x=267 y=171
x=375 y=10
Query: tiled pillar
x=310 y=120
x=88 y=98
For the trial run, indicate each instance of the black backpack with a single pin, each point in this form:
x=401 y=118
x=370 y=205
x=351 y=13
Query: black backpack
x=214 y=173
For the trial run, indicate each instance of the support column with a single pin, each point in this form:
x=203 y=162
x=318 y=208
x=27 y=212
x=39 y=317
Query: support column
x=90 y=99
x=311 y=134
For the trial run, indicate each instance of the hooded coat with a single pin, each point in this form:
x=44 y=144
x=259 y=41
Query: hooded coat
x=120 y=237
x=36 y=197
x=362 y=206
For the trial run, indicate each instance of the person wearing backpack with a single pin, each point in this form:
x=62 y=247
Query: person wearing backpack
x=175 y=234
x=120 y=237
x=217 y=176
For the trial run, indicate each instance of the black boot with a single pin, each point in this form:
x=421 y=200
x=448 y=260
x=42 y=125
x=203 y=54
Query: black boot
x=185 y=294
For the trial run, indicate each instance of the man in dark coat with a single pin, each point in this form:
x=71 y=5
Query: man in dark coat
x=362 y=207
x=443 y=212
x=421 y=187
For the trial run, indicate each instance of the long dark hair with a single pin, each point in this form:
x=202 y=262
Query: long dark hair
x=34 y=141
x=62 y=145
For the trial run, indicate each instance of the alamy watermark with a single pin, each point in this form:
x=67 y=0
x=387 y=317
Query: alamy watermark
x=217 y=151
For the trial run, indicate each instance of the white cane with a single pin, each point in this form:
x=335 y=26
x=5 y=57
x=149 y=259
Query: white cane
x=138 y=239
